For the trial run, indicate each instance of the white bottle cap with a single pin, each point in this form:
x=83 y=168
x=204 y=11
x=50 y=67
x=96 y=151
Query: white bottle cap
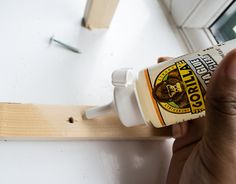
x=124 y=104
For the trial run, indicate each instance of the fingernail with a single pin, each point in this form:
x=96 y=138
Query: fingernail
x=160 y=59
x=230 y=69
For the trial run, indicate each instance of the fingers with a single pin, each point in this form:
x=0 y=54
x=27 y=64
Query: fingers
x=192 y=133
x=162 y=59
x=183 y=147
x=179 y=130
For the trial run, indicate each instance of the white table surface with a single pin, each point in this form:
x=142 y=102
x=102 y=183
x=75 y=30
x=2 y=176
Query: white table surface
x=31 y=71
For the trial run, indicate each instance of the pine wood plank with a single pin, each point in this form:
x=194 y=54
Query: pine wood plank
x=54 y=122
x=99 y=13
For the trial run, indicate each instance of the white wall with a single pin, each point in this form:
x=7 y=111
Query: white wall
x=31 y=71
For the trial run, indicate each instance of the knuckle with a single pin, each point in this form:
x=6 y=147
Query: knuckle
x=224 y=105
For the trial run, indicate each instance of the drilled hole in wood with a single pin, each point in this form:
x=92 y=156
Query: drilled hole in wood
x=71 y=120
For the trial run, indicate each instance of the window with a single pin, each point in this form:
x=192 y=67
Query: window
x=224 y=27
x=203 y=23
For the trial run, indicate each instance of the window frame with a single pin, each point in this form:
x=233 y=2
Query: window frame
x=194 y=17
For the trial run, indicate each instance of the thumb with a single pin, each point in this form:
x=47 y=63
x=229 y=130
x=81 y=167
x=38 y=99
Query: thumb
x=215 y=157
x=221 y=104
x=213 y=160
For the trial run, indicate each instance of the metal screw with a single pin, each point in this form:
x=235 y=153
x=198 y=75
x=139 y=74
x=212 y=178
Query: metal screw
x=73 y=49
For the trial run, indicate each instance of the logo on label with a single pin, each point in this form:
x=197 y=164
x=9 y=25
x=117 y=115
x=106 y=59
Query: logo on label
x=178 y=90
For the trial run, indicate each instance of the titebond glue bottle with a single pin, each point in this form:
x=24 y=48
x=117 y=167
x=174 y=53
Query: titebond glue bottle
x=166 y=93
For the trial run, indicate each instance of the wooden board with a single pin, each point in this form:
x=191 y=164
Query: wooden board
x=99 y=13
x=58 y=122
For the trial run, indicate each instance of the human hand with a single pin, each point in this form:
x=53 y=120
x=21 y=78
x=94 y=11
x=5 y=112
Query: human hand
x=205 y=149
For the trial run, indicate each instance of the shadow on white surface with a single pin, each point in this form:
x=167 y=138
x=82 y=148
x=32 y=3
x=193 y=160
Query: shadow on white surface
x=137 y=163
x=100 y=162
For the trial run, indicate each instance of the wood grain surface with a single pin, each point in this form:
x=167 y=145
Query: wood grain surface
x=59 y=122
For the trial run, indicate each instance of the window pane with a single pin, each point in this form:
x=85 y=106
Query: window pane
x=224 y=28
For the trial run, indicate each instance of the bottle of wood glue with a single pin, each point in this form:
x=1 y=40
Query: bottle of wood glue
x=164 y=94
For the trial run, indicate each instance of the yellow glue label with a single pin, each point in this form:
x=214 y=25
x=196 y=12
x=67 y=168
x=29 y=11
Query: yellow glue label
x=177 y=90
x=193 y=88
